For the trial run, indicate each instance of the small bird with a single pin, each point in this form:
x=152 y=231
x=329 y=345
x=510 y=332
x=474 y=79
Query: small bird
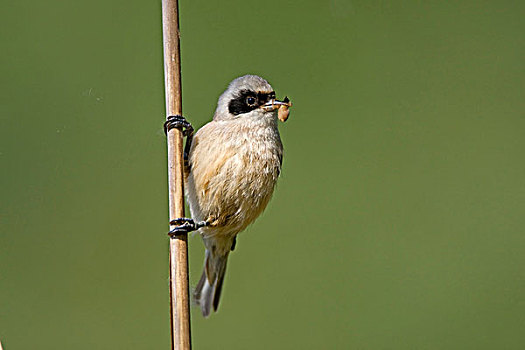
x=232 y=166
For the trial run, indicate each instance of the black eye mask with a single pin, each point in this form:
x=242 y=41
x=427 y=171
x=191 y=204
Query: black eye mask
x=239 y=105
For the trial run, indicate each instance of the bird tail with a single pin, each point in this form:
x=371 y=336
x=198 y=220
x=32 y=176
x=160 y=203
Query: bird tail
x=208 y=290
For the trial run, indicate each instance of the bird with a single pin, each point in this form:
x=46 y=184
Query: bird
x=231 y=168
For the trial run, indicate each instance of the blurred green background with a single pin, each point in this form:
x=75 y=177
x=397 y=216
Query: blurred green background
x=398 y=221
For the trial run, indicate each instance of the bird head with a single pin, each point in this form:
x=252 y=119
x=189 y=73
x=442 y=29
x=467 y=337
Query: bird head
x=248 y=96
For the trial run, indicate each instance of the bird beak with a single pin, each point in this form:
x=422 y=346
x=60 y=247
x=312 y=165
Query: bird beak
x=282 y=106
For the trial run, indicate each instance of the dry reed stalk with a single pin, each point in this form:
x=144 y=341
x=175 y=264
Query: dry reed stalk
x=179 y=282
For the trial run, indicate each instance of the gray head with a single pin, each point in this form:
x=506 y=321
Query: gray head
x=249 y=95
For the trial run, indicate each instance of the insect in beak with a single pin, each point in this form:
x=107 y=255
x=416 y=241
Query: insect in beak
x=283 y=107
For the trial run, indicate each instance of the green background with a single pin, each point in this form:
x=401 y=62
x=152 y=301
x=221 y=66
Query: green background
x=398 y=221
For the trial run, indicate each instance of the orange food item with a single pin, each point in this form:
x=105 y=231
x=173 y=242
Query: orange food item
x=284 y=110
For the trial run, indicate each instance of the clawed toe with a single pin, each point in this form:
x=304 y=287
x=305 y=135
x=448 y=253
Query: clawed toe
x=178 y=122
x=185 y=225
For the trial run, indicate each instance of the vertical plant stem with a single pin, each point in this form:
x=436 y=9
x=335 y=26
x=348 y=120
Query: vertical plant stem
x=179 y=282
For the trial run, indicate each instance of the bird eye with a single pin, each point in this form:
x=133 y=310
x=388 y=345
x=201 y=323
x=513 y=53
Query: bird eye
x=250 y=101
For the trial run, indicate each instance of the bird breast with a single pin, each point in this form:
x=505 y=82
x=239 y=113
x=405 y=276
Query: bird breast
x=234 y=165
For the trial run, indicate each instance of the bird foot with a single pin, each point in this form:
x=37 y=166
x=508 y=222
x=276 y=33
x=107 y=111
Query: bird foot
x=185 y=225
x=178 y=122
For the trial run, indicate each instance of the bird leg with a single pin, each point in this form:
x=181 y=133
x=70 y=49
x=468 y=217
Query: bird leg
x=179 y=122
x=186 y=225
